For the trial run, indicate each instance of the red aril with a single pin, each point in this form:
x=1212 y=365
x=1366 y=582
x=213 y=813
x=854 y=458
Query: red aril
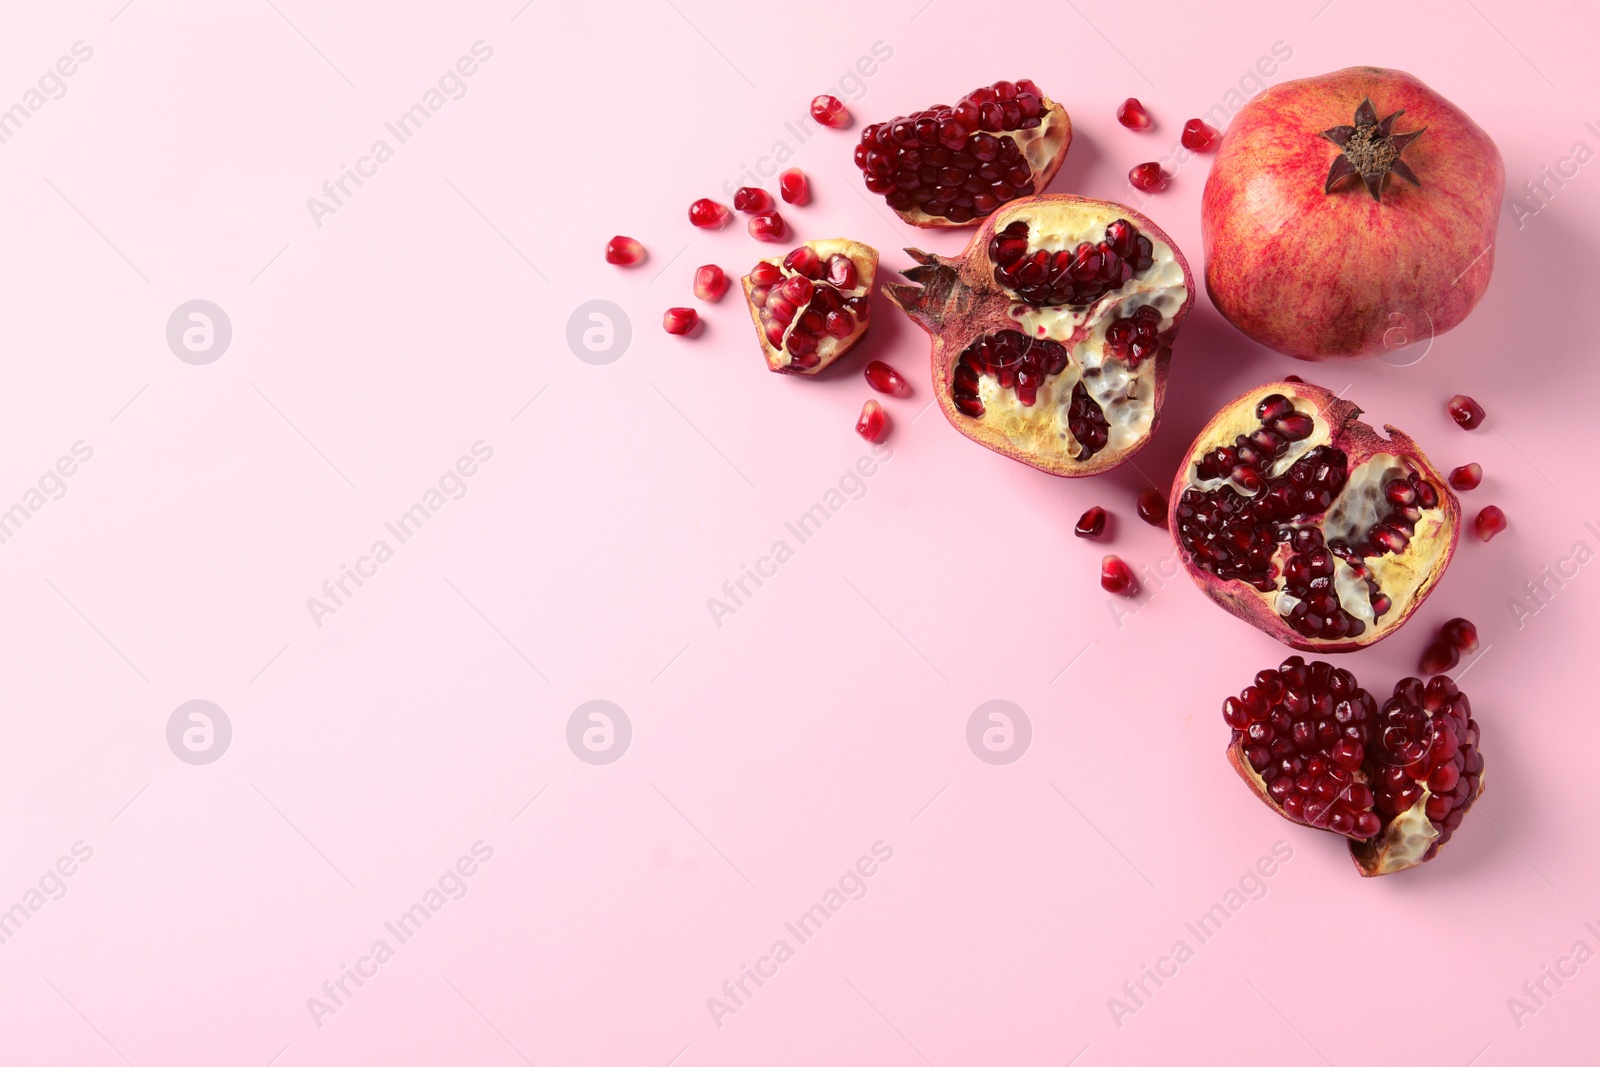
x=768 y=227
x=885 y=379
x=1132 y=114
x=752 y=201
x=1148 y=178
x=624 y=252
x=874 y=422
x=707 y=214
x=1115 y=577
x=680 y=320
x=1091 y=523
x=793 y=187
x=710 y=283
x=1439 y=657
x=1490 y=521
x=1467 y=412
x=1152 y=506
x=1467 y=477
x=812 y=304
x=830 y=111
x=1198 y=135
x=1460 y=634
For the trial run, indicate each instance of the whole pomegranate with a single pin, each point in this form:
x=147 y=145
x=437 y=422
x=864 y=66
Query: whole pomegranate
x=812 y=304
x=1052 y=332
x=1348 y=213
x=1307 y=523
x=1318 y=749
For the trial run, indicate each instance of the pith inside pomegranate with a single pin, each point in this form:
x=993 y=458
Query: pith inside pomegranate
x=1349 y=210
x=951 y=166
x=1395 y=780
x=1052 y=332
x=1307 y=523
x=811 y=305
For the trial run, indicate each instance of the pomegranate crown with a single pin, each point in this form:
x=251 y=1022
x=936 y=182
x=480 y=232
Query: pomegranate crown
x=1371 y=150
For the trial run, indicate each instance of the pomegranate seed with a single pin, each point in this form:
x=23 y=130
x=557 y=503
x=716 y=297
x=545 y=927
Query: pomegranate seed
x=1466 y=477
x=1294 y=378
x=830 y=111
x=624 y=252
x=1115 y=577
x=1466 y=411
x=874 y=422
x=752 y=201
x=1133 y=115
x=885 y=379
x=1152 y=505
x=1148 y=178
x=1198 y=135
x=1461 y=634
x=1490 y=521
x=710 y=283
x=768 y=227
x=1441 y=656
x=707 y=214
x=793 y=187
x=1091 y=523
x=680 y=320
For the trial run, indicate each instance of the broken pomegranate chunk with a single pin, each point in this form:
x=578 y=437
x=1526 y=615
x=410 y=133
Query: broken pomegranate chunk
x=793 y=187
x=1490 y=521
x=1091 y=523
x=1115 y=577
x=680 y=320
x=885 y=379
x=624 y=252
x=830 y=111
x=1132 y=114
x=874 y=422
x=1148 y=178
x=707 y=214
x=812 y=304
x=1467 y=412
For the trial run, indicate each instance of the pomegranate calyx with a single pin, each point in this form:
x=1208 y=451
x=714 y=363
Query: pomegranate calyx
x=1371 y=150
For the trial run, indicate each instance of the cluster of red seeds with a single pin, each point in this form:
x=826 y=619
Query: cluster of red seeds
x=809 y=294
x=1078 y=276
x=1425 y=736
x=954 y=162
x=1136 y=337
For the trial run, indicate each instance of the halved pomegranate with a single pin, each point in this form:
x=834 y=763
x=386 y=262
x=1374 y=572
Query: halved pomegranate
x=1305 y=522
x=1053 y=330
x=1395 y=780
x=951 y=166
x=813 y=304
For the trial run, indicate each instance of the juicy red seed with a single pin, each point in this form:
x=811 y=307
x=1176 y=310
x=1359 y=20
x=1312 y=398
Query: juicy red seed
x=1466 y=477
x=707 y=214
x=1148 y=178
x=805 y=261
x=1460 y=634
x=1467 y=412
x=1132 y=114
x=710 y=283
x=1490 y=521
x=1152 y=505
x=764 y=273
x=624 y=252
x=1115 y=577
x=1439 y=657
x=841 y=271
x=1091 y=523
x=793 y=187
x=1294 y=378
x=874 y=421
x=680 y=320
x=768 y=227
x=885 y=379
x=830 y=111
x=1198 y=135
x=752 y=201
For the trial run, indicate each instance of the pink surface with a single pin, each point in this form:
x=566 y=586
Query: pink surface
x=424 y=722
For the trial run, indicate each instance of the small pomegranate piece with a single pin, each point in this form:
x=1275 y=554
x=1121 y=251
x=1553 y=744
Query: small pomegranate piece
x=1461 y=634
x=710 y=283
x=680 y=320
x=1439 y=657
x=885 y=379
x=752 y=201
x=624 y=252
x=1293 y=378
x=1467 y=477
x=793 y=187
x=1302 y=520
x=830 y=111
x=812 y=304
x=1490 y=521
x=1116 y=577
x=707 y=214
x=768 y=227
x=1091 y=523
x=1132 y=114
x=1199 y=135
x=1152 y=507
x=951 y=166
x=874 y=422
x=1148 y=178
x=1394 y=780
x=1467 y=412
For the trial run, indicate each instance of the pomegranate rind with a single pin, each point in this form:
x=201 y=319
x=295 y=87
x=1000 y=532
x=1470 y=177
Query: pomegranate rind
x=1338 y=275
x=1044 y=147
x=829 y=348
x=957 y=300
x=1407 y=577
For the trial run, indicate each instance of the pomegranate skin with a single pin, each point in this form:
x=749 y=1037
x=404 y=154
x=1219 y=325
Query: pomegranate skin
x=1329 y=275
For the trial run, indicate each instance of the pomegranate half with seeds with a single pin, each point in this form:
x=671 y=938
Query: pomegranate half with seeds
x=1306 y=522
x=1052 y=332
x=1347 y=211
x=812 y=304
x=1395 y=780
x=951 y=166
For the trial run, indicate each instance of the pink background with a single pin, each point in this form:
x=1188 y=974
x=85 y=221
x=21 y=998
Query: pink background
x=829 y=712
